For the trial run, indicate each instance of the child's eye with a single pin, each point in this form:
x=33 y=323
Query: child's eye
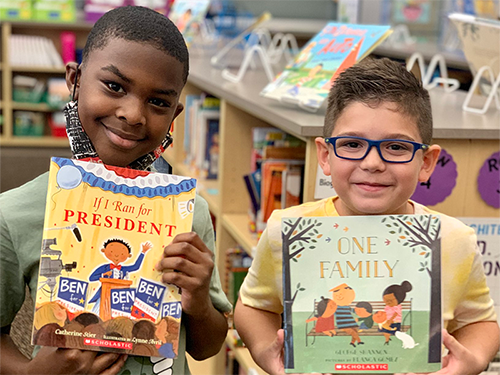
x=159 y=102
x=349 y=143
x=398 y=146
x=113 y=86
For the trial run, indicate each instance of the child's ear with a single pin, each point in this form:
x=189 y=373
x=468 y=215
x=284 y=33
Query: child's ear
x=429 y=163
x=71 y=76
x=178 y=110
x=323 y=155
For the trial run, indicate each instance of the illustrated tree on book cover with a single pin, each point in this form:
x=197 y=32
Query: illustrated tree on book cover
x=298 y=236
x=417 y=233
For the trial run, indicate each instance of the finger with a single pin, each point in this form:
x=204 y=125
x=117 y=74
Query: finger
x=116 y=366
x=84 y=356
x=191 y=263
x=104 y=361
x=186 y=251
x=280 y=339
x=451 y=343
x=193 y=239
x=183 y=280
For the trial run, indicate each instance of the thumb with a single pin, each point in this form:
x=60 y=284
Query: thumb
x=450 y=342
x=280 y=339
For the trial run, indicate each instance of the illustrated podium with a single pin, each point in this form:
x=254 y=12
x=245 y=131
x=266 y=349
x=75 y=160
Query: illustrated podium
x=107 y=285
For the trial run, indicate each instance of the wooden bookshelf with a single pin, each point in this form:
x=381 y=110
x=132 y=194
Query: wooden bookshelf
x=238 y=226
x=38 y=69
x=8 y=106
x=34 y=107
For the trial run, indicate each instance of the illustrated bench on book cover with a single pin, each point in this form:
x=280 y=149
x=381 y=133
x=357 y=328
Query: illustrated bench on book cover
x=373 y=331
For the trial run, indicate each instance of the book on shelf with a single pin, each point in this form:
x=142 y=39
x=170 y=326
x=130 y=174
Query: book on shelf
x=201 y=134
x=362 y=294
x=31 y=50
x=274 y=143
x=54 y=10
x=480 y=39
x=190 y=106
x=187 y=15
x=273 y=182
x=105 y=229
x=211 y=163
x=307 y=80
x=237 y=264
x=291 y=191
x=252 y=183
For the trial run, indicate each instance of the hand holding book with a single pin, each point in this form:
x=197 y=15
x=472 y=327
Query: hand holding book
x=192 y=263
x=73 y=361
x=460 y=359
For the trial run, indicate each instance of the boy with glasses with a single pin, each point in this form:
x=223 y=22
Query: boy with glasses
x=377 y=147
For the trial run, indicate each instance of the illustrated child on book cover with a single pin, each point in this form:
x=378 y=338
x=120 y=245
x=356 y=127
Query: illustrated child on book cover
x=117 y=251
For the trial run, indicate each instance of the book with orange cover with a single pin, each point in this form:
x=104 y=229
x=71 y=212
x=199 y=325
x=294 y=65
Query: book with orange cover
x=105 y=229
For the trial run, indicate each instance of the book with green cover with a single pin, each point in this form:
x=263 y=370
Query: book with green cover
x=362 y=294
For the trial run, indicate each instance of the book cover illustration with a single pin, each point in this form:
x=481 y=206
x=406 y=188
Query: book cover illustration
x=104 y=231
x=187 y=15
x=362 y=294
x=307 y=81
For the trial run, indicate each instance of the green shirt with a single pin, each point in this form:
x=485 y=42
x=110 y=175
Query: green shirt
x=22 y=213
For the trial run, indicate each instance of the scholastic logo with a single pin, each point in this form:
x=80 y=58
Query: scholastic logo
x=362 y=366
x=108 y=343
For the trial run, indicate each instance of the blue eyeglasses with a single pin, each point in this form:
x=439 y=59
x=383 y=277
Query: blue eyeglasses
x=390 y=150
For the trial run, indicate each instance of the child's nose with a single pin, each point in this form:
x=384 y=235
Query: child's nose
x=132 y=110
x=373 y=160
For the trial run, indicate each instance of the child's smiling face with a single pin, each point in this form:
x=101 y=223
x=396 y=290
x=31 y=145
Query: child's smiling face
x=116 y=252
x=128 y=95
x=371 y=186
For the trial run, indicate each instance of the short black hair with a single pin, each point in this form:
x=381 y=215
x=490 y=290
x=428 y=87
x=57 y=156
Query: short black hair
x=365 y=305
x=138 y=24
x=112 y=240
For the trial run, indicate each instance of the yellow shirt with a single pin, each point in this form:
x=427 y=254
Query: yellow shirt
x=466 y=297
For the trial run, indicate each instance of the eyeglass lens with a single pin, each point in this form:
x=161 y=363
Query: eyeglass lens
x=391 y=150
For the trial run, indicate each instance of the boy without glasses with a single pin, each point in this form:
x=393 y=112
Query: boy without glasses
x=376 y=147
x=125 y=96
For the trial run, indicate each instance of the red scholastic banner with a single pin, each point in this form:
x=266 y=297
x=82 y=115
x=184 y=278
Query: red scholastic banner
x=362 y=366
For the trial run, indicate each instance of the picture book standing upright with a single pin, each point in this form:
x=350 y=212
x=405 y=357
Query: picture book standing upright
x=307 y=80
x=105 y=229
x=362 y=294
x=187 y=16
